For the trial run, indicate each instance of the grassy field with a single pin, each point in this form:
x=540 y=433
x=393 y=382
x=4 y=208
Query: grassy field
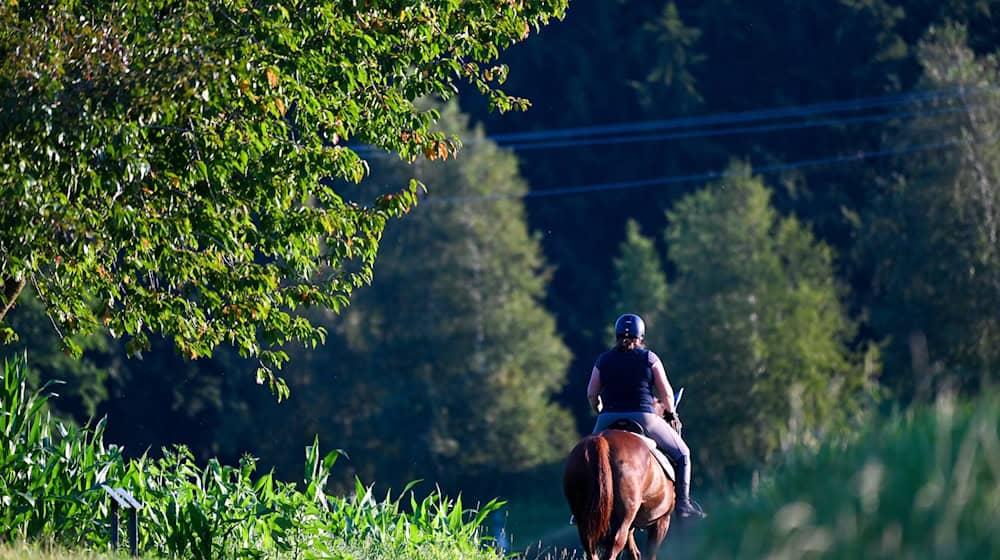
x=922 y=485
x=49 y=552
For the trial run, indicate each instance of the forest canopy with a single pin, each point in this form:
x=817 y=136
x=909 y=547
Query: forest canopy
x=844 y=265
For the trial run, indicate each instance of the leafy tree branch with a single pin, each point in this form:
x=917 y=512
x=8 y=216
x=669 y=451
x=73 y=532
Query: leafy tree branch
x=183 y=168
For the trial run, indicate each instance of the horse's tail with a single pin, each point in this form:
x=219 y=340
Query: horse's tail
x=601 y=495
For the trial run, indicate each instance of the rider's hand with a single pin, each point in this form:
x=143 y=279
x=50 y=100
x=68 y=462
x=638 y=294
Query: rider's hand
x=597 y=405
x=674 y=420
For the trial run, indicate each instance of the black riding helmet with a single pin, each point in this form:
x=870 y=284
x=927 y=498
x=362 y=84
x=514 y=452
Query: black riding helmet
x=630 y=325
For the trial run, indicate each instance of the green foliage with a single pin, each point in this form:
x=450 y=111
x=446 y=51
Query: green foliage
x=175 y=168
x=222 y=512
x=933 y=232
x=673 y=54
x=446 y=367
x=83 y=381
x=758 y=329
x=640 y=285
x=50 y=473
x=51 y=479
x=743 y=57
x=925 y=485
x=158 y=399
x=456 y=323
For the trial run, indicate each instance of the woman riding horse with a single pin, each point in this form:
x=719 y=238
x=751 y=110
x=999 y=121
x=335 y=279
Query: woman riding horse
x=622 y=381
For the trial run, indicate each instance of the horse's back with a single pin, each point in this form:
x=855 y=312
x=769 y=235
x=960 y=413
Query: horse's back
x=622 y=443
x=621 y=446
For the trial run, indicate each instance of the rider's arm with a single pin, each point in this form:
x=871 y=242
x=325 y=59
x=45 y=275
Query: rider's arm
x=663 y=388
x=594 y=390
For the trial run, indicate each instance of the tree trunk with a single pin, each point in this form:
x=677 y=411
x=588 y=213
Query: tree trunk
x=921 y=364
x=11 y=290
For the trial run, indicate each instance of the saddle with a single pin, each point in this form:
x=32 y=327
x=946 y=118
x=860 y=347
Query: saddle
x=635 y=428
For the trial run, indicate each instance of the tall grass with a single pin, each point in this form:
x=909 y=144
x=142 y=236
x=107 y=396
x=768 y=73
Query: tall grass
x=926 y=485
x=49 y=551
x=50 y=490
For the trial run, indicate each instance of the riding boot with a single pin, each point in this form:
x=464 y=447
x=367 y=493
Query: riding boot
x=685 y=506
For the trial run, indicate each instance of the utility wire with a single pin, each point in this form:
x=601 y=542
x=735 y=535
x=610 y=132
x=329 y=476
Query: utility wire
x=535 y=140
x=807 y=110
x=733 y=130
x=706 y=176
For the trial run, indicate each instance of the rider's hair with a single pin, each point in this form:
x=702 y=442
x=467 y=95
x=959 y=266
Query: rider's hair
x=625 y=343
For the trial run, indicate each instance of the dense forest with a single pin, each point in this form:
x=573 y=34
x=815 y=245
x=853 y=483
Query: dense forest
x=801 y=199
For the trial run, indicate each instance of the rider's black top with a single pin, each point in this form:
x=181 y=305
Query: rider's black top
x=627 y=380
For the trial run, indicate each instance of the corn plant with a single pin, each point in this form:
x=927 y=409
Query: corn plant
x=50 y=472
x=50 y=489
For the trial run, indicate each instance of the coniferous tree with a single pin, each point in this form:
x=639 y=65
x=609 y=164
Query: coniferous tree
x=446 y=366
x=457 y=307
x=641 y=285
x=671 y=45
x=932 y=237
x=759 y=333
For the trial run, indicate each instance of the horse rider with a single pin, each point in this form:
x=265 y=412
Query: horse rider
x=621 y=387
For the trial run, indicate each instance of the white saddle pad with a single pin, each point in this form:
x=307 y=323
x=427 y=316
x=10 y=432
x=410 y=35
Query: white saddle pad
x=668 y=468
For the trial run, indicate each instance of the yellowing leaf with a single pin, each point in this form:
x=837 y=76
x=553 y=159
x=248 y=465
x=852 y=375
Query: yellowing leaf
x=281 y=106
x=272 y=78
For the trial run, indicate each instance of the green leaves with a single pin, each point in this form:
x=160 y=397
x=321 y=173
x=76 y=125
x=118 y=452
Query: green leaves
x=50 y=473
x=930 y=235
x=186 y=173
x=757 y=325
x=447 y=335
x=640 y=285
x=50 y=489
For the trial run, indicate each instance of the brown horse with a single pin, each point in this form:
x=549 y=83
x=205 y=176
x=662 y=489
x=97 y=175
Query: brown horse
x=614 y=485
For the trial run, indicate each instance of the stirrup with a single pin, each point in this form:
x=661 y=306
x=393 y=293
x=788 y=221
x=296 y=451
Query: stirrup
x=690 y=510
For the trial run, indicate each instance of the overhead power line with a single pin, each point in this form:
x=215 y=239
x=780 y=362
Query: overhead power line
x=584 y=136
x=705 y=176
x=733 y=130
x=807 y=110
